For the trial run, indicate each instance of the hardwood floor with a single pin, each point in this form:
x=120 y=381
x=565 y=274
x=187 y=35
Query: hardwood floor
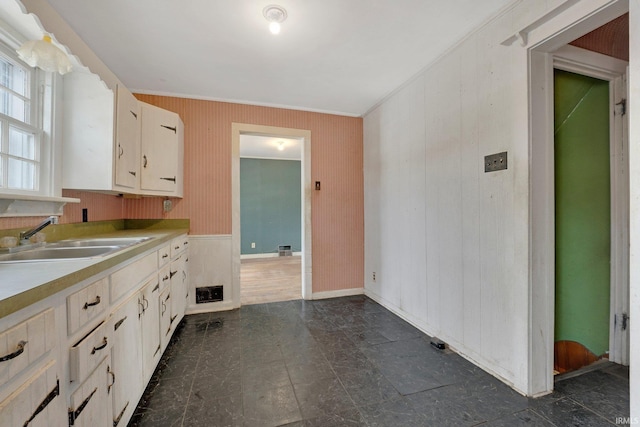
x=270 y=279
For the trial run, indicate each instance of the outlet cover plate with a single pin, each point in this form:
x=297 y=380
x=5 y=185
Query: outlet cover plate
x=495 y=162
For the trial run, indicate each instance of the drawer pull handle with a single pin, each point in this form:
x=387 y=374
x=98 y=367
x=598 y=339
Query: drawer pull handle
x=145 y=301
x=173 y=128
x=172 y=273
x=156 y=287
x=134 y=114
x=16 y=353
x=140 y=308
x=52 y=395
x=100 y=347
x=157 y=350
x=91 y=304
x=165 y=256
x=73 y=415
x=173 y=318
x=113 y=378
x=164 y=307
x=177 y=247
x=117 y=420
x=169 y=179
x=168 y=296
x=186 y=243
x=165 y=278
x=119 y=323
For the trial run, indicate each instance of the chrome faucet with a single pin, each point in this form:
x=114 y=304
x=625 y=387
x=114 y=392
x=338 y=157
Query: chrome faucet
x=26 y=235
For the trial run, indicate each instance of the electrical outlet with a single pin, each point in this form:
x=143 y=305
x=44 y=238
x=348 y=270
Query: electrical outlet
x=374 y=276
x=253 y=245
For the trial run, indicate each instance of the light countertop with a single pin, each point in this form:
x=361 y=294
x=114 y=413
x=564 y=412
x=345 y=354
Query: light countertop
x=25 y=283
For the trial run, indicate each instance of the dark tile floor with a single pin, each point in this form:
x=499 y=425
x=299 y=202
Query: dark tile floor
x=347 y=362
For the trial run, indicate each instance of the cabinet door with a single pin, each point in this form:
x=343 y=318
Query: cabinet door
x=165 y=317
x=127 y=139
x=37 y=403
x=89 y=403
x=126 y=360
x=149 y=315
x=178 y=289
x=161 y=140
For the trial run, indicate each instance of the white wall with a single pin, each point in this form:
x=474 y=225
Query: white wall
x=448 y=242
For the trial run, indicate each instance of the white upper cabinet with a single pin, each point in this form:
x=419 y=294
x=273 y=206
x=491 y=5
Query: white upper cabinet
x=127 y=139
x=116 y=144
x=162 y=141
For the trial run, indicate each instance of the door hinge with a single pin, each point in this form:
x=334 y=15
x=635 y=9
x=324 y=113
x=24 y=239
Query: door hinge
x=623 y=107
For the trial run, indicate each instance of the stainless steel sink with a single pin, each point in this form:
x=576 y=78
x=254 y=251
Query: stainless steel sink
x=59 y=253
x=72 y=249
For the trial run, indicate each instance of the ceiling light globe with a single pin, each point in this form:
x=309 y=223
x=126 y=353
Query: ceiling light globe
x=274 y=27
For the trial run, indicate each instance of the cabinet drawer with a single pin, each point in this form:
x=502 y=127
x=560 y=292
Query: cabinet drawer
x=164 y=255
x=37 y=403
x=123 y=281
x=178 y=245
x=25 y=343
x=89 y=351
x=87 y=304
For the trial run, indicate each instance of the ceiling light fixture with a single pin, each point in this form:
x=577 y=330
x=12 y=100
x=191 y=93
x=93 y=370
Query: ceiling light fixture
x=275 y=15
x=281 y=146
x=45 y=55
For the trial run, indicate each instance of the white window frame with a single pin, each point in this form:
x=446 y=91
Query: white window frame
x=46 y=108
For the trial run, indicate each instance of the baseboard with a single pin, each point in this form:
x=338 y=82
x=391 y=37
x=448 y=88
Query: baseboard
x=337 y=294
x=267 y=255
x=210 y=307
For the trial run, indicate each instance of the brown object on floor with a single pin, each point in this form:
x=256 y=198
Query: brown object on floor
x=571 y=355
x=270 y=279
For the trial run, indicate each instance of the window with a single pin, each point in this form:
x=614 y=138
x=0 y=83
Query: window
x=21 y=135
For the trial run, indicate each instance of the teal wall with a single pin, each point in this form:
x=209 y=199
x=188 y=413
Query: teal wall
x=583 y=219
x=270 y=205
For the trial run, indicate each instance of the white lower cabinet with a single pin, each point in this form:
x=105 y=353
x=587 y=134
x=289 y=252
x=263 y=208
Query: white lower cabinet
x=89 y=406
x=83 y=357
x=149 y=316
x=36 y=403
x=165 y=317
x=126 y=360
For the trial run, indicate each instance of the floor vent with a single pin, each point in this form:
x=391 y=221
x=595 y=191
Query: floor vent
x=284 y=250
x=209 y=294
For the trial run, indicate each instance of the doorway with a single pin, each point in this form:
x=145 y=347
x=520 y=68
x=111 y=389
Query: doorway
x=270 y=219
x=237 y=130
x=545 y=55
x=582 y=220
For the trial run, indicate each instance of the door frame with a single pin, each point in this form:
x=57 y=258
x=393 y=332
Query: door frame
x=542 y=57
x=238 y=129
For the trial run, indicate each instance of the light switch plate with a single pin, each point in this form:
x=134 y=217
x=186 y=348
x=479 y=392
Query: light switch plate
x=495 y=162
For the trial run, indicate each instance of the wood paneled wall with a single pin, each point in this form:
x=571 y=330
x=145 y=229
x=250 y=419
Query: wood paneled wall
x=336 y=161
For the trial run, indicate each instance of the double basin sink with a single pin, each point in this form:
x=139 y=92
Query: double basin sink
x=72 y=249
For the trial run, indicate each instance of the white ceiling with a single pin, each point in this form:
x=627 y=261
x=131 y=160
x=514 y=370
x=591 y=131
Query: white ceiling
x=337 y=56
x=266 y=147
